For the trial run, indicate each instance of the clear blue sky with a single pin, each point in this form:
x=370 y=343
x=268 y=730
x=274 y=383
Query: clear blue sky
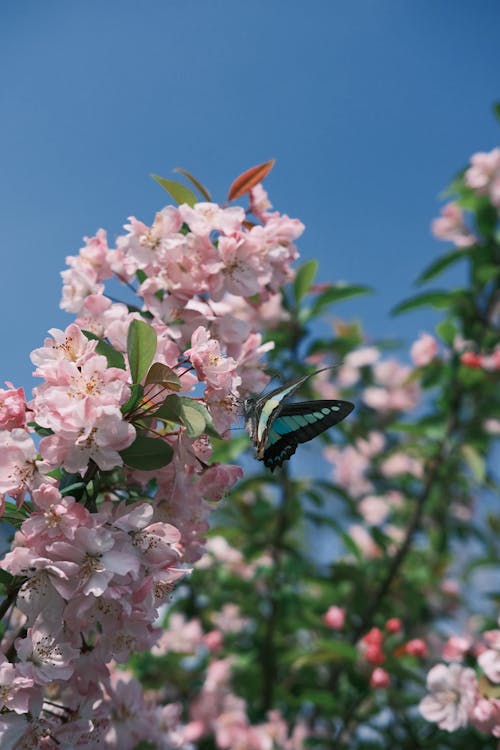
x=369 y=106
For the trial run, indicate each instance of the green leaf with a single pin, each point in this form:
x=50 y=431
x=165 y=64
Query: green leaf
x=75 y=490
x=487 y=272
x=198 y=185
x=170 y=410
x=442 y=263
x=475 y=462
x=447 y=331
x=147 y=453
x=113 y=357
x=136 y=395
x=196 y=418
x=496 y=110
x=163 y=375
x=327 y=651
x=351 y=545
x=179 y=192
x=193 y=420
x=42 y=431
x=304 y=278
x=141 y=348
x=434 y=299
x=487 y=219
x=5 y=577
x=337 y=293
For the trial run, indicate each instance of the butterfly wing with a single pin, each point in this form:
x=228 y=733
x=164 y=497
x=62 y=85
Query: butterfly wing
x=291 y=424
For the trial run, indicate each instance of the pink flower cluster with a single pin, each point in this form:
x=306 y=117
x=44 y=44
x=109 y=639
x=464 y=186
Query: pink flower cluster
x=208 y=282
x=375 y=646
x=457 y=696
x=488 y=362
x=93 y=585
x=216 y=711
x=451 y=226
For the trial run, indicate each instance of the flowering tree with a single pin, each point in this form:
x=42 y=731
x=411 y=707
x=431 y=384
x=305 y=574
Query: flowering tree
x=308 y=612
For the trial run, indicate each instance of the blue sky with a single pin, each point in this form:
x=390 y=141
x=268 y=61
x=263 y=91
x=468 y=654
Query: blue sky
x=369 y=107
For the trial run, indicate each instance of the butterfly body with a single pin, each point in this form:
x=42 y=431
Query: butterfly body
x=277 y=427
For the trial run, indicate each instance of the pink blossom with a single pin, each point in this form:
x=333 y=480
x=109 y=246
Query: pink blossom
x=78 y=283
x=380 y=678
x=393 y=390
x=98 y=437
x=453 y=691
x=50 y=657
x=213 y=640
x=362 y=357
x=371 y=445
x=19 y=468
x=17 y=690
x=131 y=717
x=424 y=350
x=485 y=716
x=12 y=408
x=211 y=365
x=242 y=267
x=58 y=516
x=451 y=226
x=350 y=467
x=492 y=426
x=181 y=636
x=374 y=510
x=456 y=647
x=401 y=463
x=99 y=556
x=70 y=345
x=204 y=218
x=364 y=541
x=334 y=617
x=260 y=203
x=229 y=619
x=489 y=660
x=484 y=174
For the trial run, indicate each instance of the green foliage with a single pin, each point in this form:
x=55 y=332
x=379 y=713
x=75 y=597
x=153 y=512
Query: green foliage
x=147 y=453
x=179 y=192
x=304 y=279
x=298 y=545
x=141 y=348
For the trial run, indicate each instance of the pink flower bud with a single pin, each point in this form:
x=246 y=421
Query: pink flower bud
x=380 y=678
x=334 y=618
x=469 y=359
x=416 y=647
x=394 y=625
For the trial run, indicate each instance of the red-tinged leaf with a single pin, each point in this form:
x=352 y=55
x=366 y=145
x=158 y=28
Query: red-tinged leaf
x=249 y=179
x=198 y=185
x=162 y=375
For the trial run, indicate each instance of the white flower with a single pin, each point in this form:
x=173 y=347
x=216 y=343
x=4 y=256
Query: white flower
x=453 y=692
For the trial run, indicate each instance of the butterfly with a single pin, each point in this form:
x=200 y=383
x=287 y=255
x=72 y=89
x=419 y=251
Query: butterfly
x=277 y=427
